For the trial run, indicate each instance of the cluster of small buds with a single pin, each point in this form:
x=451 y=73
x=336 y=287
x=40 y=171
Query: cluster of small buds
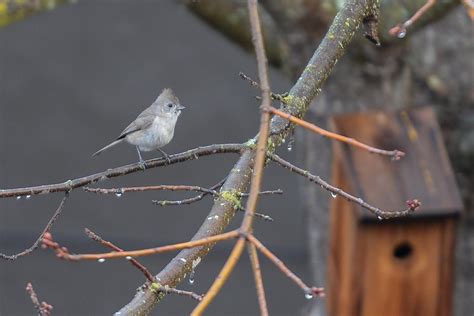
x=413 y=205
x=398 y=155
x=48 y=243
x=44 y=309
x=314 y=292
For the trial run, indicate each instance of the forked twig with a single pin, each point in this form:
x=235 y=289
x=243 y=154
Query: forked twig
x=156 y=286
x=413 y=205
x=110 y=245
x=309 y=291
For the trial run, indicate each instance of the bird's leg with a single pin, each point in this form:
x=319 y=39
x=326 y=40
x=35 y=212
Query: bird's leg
x=141 y=162
x=165 y=155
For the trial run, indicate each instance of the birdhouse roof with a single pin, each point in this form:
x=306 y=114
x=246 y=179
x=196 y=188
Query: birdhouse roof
x=424 y=173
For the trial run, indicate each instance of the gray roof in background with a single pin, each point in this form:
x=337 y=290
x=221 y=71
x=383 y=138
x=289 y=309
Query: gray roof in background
x=70 y=81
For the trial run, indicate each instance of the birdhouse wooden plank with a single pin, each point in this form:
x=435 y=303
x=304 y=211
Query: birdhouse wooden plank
x=399 y=266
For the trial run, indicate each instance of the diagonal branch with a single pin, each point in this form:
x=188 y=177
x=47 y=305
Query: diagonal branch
x=47 y=228
x=394 y=154
x=257 y=274
x=413 y=205
x=110 y=245
x=309 y=291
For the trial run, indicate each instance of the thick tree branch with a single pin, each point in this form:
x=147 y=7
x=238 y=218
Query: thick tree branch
x=230 y=17
x=300 y=97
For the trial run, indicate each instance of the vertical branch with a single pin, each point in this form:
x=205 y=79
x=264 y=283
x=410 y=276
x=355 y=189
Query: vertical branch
x=261 y=149
x=262 y=302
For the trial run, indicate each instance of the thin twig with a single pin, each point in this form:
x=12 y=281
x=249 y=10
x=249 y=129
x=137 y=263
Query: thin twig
x=313 y=291
x=394 y=154
x=189 y=200
x=259 y=215
x=170 y=290
x=69 y=185
x=400 y=30
x=275 y=96
x=46 y=229
x=43 y=308
x=270 y=192
x=151 y=188
x=110 y=245
x=142 y=268
x=257 y=273
x=62 y=252
x=211 y=191
x=413 y=205
x=165 y=187
x=247 y=222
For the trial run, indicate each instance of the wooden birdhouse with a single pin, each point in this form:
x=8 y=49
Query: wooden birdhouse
x=399 y=266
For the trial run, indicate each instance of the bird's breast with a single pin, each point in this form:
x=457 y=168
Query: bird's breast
x=157 y=135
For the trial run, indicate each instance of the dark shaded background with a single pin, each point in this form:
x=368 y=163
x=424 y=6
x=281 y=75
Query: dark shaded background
x=70 y=81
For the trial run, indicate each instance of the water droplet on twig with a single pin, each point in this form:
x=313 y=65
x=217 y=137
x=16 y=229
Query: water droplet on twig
x=101 y=260
x=28 y=196
x=402 y=34
x=334 y=195
x=308 y=296
x=128 y=257
x=191 y=277
x=291 y=141
x=18 y=197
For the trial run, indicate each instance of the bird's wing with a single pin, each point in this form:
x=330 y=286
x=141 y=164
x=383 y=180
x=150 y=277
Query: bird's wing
x=143 y=121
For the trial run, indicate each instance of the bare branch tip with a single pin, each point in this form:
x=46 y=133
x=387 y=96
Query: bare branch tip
x=413 y=205
x=43 y=308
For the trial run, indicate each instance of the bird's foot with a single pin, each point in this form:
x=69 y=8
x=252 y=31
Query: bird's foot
x=166 y=156
x=142 y=164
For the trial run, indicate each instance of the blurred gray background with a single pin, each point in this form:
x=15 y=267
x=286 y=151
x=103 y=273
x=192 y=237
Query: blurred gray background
x=70 y=81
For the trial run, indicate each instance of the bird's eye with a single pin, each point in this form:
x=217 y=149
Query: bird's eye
x=170 y=105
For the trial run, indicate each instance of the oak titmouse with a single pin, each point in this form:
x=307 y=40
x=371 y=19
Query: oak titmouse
x=154 y=127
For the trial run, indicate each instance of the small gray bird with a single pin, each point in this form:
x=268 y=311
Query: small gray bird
x=153 y=128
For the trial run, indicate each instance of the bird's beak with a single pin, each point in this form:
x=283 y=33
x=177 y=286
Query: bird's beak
x=180 y=107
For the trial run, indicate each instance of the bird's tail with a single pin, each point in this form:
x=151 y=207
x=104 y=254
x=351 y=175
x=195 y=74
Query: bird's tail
x=107 y=147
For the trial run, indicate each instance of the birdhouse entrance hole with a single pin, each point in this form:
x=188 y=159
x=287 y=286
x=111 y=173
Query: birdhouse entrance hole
x=403 y=250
